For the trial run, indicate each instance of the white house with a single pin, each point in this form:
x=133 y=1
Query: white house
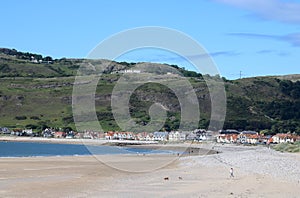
x=174 y=136
x=227 y=138
x=150 y=137
x=160 y=136
x=131 y=71
x=282 y=138
x=27 y=131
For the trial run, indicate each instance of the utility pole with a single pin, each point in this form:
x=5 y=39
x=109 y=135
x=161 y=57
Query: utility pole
x=240 y=74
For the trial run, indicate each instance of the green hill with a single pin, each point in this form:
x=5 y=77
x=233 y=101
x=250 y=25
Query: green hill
x=36 y=92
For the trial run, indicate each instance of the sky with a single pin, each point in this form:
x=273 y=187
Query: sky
x=248 y=37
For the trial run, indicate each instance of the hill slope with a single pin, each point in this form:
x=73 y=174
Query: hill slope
x=36 y=92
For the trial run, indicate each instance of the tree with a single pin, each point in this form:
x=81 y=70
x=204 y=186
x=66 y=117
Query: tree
x=295 y=93
x=48 y=58
x=267 y=132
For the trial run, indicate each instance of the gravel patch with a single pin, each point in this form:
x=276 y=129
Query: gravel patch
x=247 y=159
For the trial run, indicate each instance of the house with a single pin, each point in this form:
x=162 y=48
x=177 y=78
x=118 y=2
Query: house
x=249 y=137
x=59 y=134
x=142 y=136
x=131 y=71
x=227 y=138
x=202 y=134
x=160 y=136
x=209 y=135
x=283 y=138
x=109 y=135
x=48 y=133
x=191 y=136
x=4 y=130
x=101 y=135
x=118 y=136
x=93 y=135
x=150 y=137
x=78 y=135
x=265 y=139
x=183 y=135
x=27 y=132
x=17 y=132
x=70 y=135
x=87 y=135
x=174 y=136
x=129 y=136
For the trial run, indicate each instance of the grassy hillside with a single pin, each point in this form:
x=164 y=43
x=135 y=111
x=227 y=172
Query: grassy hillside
x=36 y=92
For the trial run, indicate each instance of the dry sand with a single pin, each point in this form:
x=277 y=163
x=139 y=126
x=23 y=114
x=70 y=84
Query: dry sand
x=259 y=172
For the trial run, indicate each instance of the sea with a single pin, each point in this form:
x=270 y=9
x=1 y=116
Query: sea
x=36 y=149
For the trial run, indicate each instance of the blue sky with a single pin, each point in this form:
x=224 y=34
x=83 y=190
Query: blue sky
x=253 y=36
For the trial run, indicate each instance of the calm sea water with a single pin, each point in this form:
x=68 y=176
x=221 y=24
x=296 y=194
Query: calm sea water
x=34 y=149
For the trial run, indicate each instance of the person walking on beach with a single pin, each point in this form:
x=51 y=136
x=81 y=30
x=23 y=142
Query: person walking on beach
x=231 y=173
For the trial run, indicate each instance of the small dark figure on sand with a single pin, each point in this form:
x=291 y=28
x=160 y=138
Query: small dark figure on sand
x=231 y=173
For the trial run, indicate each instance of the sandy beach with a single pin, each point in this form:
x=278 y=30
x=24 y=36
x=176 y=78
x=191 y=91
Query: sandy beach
x=258 y=172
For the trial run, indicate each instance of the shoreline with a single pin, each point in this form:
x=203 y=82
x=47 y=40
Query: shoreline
x=51 y=140
x=173 y=149
x=184 y=149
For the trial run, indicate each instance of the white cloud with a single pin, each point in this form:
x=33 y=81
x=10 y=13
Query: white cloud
x=278 y=10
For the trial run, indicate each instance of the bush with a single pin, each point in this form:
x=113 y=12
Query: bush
x=21 y=117
x=34 y=118
x=31 y=126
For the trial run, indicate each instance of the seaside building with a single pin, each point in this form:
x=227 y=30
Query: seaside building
x=141 y=136
x=48 y=133
x=227 y=138
x=130 y=71
x=150 y=137
x=283 y=138
x=4 y=130
x=59 y=134
x=160 y=136
x=249 y=137
x=176 y=136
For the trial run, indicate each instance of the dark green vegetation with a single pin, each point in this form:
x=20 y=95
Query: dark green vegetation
x=36 y=92
x=263 y=103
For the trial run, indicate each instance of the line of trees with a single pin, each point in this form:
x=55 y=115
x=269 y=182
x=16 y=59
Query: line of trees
x=24 y=55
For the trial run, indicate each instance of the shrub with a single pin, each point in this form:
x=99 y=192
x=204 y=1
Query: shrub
x=34 y=118
x=21 y=117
